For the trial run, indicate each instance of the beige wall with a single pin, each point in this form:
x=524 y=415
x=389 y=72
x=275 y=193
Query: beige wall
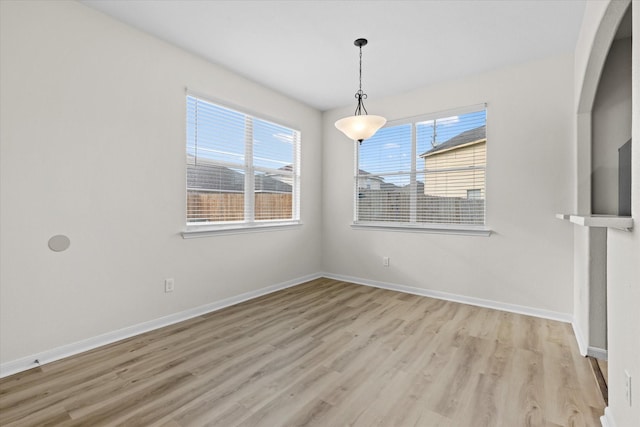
x=456 y=183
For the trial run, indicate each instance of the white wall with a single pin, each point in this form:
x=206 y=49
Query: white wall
x=623 y=279
x=528 y=260
x=92 y=146
x=623 y=248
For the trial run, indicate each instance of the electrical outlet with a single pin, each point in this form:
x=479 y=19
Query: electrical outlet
x=168 y=285
x=627 y=387
x=385 y=261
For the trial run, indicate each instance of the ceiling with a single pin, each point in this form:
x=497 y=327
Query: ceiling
x=305 y=49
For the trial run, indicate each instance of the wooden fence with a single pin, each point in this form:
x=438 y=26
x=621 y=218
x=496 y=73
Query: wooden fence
x=219 y=207
x=373 y=205
x=394 y=206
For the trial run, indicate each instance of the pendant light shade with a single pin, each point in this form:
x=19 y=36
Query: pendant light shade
x=361 y=125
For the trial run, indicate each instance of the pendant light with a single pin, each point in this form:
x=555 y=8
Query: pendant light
x=361 y=125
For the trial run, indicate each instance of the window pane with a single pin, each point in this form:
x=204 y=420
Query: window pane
x=388 y=151
x=273 y=196
x=214 y=194
x=449 y=208
x=454 y=179
x=383 y=200
x=443 y=184
x=272 y=145
x=214 y=132
x=273 y=157
x=432 y=134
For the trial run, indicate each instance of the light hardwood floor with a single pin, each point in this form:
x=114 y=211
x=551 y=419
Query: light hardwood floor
x=324 y=353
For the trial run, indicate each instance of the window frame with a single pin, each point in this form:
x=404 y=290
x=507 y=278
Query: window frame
x=413 y=226
x=249 y=224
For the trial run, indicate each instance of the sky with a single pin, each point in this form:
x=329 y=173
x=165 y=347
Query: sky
x=389 y=150
x=272 y=143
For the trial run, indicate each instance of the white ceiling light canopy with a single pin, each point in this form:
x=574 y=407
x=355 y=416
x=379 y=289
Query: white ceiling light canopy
x=361 y=125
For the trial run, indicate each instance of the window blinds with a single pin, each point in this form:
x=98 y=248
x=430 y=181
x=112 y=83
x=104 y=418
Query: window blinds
x=430 y=170
x=240 y=168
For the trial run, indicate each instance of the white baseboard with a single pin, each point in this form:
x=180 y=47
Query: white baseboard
x=607 y=419
x=48 y=356
x=58 y=353
x=585 y=349
x=580 y=338
x=496 y=305
x=598 y=353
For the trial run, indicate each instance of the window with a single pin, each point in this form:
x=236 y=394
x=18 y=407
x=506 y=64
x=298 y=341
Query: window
x=475 y=193
x=424 y=172
x=242 y=171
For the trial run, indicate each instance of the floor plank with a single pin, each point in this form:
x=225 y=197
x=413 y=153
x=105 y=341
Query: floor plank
x=323 y=353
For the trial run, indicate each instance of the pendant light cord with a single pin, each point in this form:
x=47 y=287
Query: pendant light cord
x=359 y=94
x=360 y=81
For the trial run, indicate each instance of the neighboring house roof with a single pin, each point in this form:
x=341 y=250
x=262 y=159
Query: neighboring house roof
x=271 y=185
x=471 y=136
x=211 y=176
x=367 y=175
x=387 y=185
x=384 y=185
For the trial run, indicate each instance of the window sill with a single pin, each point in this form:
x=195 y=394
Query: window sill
x=465 y=230
x=194 y=232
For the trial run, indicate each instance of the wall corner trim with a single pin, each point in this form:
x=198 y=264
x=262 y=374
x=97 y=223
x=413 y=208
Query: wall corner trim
x=48 y=356
x=607 y=419
x=577 y=331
